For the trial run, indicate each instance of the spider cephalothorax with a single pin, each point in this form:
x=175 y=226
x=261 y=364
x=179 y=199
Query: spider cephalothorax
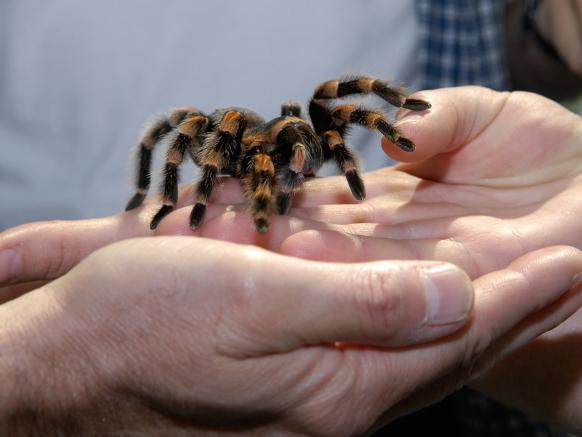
x=270 y=157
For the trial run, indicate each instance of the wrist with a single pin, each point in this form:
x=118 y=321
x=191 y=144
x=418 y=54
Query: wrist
x=11 y=390
x=44 y=380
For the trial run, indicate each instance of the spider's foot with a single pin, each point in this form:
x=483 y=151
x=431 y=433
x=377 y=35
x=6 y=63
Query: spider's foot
x=197 y=215
x=405 y=144
x=392 y=134
x=164 y=211
x=284 y=203
x=262 y=225
x=356 y=184
x=135 y=201
x=416 y=104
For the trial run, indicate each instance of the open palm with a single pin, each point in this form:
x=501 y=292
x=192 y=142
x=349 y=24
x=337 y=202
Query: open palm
x=495 y=176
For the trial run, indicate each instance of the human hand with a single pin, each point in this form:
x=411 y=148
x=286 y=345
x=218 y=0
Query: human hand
x=35 y=253
x=177 y=334
x=496 y=167
x=561 y=24
x=494 y=176
x=496 y=188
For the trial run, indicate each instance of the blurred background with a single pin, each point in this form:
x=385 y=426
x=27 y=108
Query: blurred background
x=78 y=80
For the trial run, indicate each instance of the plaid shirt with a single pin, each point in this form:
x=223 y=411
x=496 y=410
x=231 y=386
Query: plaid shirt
x=460 y=43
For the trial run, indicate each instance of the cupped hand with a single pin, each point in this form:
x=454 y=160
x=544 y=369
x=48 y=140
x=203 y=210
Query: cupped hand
x=36 y=253
x=494 y=176
x=180 y=334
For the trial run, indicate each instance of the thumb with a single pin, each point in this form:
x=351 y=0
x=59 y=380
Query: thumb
x=270 y=303
x=298 y=302
x=456 y=117
x=47 y=250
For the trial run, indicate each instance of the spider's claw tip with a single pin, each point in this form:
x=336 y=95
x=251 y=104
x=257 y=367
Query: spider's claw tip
x=262 y=225
x=405 y=144
x=416 y=104
x=135 y=201
x=164 y=211
x=356 y=184
x=197 y=215
x=284 y=203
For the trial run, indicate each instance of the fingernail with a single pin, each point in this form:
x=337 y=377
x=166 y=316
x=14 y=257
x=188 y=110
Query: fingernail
x=9 y=264
x=408 y=117
x=449 y=295
x=576 y=281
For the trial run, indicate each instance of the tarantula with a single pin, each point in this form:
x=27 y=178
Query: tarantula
x=272 y=157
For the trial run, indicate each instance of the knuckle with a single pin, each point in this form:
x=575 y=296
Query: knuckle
x=246 y=291
x=378 y=302
x=62 y=254
x=479 y=357
x=475 y=351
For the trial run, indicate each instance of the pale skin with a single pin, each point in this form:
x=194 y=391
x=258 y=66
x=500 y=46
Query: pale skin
x=495 y=176
x=135 y=338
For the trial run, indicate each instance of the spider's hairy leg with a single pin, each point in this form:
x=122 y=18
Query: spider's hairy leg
x=292 y=176
x=186 y=138
x=258 y=182
x=371 y=119
x=291 y=108
x=150 y=136
x=345 y=162
x=220 y=151
x=333 y=89
x=203 y=191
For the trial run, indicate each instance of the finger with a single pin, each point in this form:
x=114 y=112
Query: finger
x=512 y=307
x=331 y=245
x=335 y=190
x=382 y=210
x=234 y=224
x=472 y=244
x=11 y=292
x=456 y=117
x=531 y=282
x=47 y=250
x=522 y=301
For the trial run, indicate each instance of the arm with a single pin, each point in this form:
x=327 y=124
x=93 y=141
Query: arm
x=561 y=24
x=544 y=47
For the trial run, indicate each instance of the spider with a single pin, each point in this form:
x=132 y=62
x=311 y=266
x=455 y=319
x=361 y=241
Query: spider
x=272 y=157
